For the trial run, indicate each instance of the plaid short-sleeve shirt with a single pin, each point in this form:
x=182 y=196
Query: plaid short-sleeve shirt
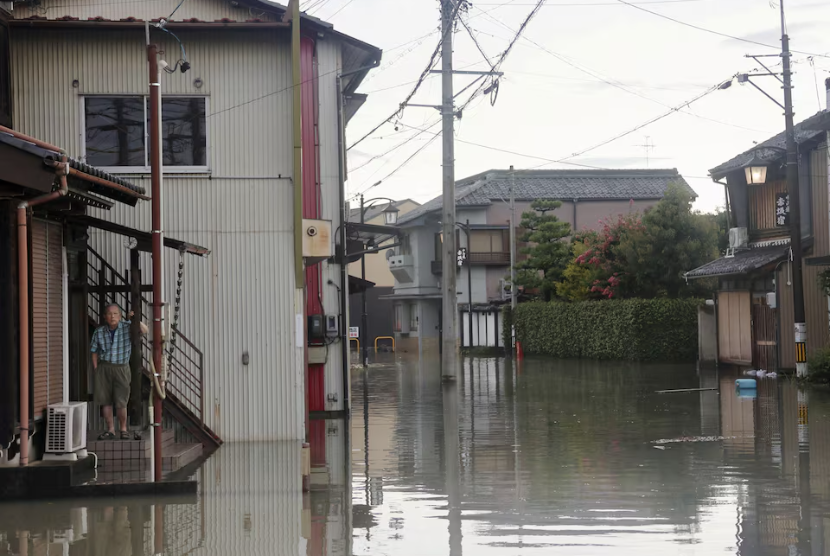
x=113 y=346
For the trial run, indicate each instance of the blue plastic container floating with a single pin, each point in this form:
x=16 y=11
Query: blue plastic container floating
x=747 y=394
x=746 y=384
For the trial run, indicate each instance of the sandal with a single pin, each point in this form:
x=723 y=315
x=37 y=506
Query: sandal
x=106 y=436
x=125 y=435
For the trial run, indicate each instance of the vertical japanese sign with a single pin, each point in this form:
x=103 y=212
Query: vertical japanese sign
x=782 y=209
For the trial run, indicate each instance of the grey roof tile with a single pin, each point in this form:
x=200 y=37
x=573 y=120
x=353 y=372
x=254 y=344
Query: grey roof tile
x=585 y=185
x=814 y=126
x=743 y=262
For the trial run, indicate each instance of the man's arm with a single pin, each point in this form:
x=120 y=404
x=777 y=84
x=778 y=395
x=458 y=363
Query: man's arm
x=141 y=325
x=94 y=349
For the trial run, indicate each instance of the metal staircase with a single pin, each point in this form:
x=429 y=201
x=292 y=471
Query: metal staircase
x=184 y=403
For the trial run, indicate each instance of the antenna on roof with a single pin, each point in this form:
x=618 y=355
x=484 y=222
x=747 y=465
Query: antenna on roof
x=648 y=146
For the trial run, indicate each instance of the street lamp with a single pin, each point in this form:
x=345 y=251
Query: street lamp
x=390 y=216
x=756 y=168
x=756 y=171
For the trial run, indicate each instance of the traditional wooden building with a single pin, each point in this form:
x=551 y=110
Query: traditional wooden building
x=754 y=302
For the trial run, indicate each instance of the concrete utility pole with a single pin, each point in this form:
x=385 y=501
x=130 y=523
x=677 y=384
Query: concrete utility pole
x=449 y=342
x=513 y=291
x=795 y=206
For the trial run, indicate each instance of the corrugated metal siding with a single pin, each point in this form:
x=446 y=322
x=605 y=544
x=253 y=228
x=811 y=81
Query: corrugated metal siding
x=240 y=298
x=144 y=9
x=820 y=205
x=328 y=62
x=253 y=499
x=47 y=314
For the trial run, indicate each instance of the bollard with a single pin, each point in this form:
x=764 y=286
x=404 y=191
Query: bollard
x=306 y=467
x=520 y=354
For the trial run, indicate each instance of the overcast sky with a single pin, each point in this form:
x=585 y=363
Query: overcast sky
x=547 y=108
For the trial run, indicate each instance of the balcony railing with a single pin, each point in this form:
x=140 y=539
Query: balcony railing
x=489 y=258
x=481 y=258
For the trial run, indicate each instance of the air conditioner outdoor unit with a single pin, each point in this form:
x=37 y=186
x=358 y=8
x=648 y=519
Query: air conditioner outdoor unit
x=66 y=428
x=738 y=238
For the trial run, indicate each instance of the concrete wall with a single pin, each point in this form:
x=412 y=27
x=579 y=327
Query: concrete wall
x=707 y=334
x=241 y=297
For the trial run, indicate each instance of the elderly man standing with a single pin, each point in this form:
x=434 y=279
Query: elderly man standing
x=111 y=349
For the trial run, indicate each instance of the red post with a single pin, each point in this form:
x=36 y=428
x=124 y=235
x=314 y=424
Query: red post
x=157 y=243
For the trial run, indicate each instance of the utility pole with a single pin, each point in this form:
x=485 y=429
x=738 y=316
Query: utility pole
x=513 y=292
x=364 y=317
x=449 y=341
x=795 y=206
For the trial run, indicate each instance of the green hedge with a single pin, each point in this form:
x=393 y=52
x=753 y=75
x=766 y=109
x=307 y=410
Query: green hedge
x=630 y=329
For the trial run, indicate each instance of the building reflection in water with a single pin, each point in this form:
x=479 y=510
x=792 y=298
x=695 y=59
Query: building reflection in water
x=555 y=457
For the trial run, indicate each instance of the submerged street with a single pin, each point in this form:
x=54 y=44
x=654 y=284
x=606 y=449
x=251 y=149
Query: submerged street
x=564 y=457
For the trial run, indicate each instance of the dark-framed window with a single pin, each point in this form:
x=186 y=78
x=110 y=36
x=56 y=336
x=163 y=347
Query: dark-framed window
x=116 y=132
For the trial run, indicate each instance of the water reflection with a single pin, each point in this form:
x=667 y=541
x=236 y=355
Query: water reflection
x=560 y=455
x=551 y=457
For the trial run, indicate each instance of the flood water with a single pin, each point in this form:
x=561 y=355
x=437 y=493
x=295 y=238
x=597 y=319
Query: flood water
x=552 y=457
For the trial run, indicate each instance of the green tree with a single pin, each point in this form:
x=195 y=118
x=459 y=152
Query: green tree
x=673 y=239
x=547 y=252
x=598 y=271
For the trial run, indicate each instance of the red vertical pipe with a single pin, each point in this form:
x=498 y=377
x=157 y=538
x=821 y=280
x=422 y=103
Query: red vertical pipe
x=312 y=199
x=157 y=239
x=62 y=170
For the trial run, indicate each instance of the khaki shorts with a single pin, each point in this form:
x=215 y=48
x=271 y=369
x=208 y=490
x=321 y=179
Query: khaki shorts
x=112 y=384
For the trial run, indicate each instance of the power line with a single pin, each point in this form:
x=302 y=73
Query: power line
x=718 y=33
x=586 y=4
x=424 y=74
x=644 y=124
x=404 y=163
x=615 y=83
x=343 y=7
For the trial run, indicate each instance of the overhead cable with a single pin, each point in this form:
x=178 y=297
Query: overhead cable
x=432 y=61
x=713 y=32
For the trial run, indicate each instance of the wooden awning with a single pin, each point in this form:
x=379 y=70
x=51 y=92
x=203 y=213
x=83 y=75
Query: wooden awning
x=144 y=239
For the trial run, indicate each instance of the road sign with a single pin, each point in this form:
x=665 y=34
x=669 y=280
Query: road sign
x=354 y=332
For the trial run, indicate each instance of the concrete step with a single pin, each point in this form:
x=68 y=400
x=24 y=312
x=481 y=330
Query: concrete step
x=179 y=455
x=127 y=455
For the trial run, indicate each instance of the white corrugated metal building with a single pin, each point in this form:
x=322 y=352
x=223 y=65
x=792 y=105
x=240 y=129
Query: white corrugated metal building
x=227 y=136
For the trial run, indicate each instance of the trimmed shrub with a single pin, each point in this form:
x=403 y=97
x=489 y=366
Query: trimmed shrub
x=819 y=366
x=629 y=329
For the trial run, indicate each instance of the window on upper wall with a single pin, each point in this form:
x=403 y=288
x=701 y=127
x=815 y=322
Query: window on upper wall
x=116 y=132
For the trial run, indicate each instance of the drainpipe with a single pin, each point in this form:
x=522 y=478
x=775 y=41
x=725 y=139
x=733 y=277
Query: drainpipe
x=24 y=137
x=157 y=246
x=344 y=271
x=61 y=169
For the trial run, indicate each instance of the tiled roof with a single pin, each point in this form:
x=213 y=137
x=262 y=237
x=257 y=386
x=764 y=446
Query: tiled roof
x=809 y=129
x=565 y=185
x=33 y=149
x=374 y=210
x=743 y=262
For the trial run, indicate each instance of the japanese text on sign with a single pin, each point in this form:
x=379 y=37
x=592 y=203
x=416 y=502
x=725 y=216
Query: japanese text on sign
x=782 y=209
